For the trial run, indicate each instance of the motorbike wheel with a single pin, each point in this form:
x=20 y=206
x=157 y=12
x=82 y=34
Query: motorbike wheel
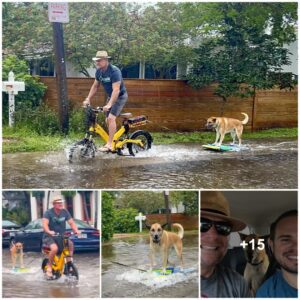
x=88 y=149
x=44 y=264
x=71 y=270
x=142 y=135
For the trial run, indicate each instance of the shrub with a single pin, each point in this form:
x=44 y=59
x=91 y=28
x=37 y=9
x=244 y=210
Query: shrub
x=77 y=121
x=18 y=215
x=42 y=120
x=107 y=216
x=125 y=220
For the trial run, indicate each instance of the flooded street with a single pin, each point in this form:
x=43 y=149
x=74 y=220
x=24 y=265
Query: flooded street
x=262 y=164
x=132 y=279
x=31 y=284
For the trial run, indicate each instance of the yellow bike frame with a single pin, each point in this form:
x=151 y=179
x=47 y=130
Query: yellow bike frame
x=116 y=144
x=59 y=261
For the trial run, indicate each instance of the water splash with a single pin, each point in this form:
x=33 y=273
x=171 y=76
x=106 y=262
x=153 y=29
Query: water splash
x=154 y=280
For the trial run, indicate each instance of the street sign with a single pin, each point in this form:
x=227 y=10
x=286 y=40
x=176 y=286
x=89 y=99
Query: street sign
x=58 y=12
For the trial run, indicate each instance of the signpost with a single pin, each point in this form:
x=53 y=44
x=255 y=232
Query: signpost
x=58 y=13
x=12 y=87
x=140 y=218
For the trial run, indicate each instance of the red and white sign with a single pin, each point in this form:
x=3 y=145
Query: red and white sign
x=58 y=12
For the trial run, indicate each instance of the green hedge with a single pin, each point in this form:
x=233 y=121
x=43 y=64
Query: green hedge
x=125 y=220
x=107 y=216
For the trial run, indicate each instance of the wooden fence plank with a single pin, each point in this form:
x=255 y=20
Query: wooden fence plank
x=177 y=106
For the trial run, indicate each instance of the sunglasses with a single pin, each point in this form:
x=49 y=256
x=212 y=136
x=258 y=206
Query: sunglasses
x=222 y=228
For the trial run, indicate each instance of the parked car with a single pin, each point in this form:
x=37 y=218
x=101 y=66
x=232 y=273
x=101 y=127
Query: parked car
x=32 y=235
x=9 y=229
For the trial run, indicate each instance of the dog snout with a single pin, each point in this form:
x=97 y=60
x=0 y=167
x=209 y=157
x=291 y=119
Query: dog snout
x=209 y=126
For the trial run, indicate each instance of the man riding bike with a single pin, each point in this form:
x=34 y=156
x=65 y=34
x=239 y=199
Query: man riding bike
x=54 y=222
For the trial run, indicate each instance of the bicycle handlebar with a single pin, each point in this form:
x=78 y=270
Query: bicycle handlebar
x=96 y=110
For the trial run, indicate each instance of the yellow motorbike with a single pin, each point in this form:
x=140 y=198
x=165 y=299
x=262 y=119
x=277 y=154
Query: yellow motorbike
x=137 y=141
x=62 y=262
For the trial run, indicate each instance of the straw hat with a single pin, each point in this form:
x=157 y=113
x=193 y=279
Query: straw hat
x=214 y=204
x=57 y=199
x=101 y=54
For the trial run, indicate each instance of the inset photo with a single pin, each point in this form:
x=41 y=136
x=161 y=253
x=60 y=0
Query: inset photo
x=249 y=244
x=150 y=244
x=51 y=243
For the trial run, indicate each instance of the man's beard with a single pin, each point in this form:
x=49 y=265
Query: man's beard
x=289 y=270
x=285 y=266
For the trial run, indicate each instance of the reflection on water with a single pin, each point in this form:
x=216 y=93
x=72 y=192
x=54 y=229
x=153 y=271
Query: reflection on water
x=265 y=164
x=124 y=258
x=33 y=285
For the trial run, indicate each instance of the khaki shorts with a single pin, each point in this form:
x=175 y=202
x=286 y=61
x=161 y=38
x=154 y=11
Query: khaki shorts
x=117 y=106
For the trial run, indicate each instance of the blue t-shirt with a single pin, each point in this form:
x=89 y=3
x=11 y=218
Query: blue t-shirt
x=111 y=75
x=276 y=287
x=57 y=223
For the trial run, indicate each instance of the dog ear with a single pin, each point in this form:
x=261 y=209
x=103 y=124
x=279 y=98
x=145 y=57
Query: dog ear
x=242 y=236
x=265 y=238
x=164 y=225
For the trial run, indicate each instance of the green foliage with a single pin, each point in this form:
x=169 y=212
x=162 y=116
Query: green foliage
x=38 y=194
x=131 y=33
x=34 y=90
x=190 y=200
x=237 y=52
x=42 y=120
x=107 y=216
x=125 y=220
x=17 y=215
x=142 y=201
x=77 y=121
x=68 y=194
x=20 y=214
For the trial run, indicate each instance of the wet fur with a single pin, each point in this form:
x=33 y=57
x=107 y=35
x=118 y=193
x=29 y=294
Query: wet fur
x=224 y=125
x=16 y=252
x=161 y=241
x=254 y=272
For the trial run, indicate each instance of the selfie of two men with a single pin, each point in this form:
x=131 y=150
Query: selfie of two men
x=249 y=244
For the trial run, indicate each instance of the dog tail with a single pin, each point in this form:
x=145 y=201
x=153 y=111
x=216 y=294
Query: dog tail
x=180 y=230
x=245 y=121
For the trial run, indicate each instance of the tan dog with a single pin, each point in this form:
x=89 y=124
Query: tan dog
x=257 y=260
x=224 y=125
x=16 y=252
x=161 y=241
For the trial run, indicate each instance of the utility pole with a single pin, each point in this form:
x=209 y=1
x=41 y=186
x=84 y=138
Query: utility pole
x=58 y=13
x=167 y=206
x=61 y=76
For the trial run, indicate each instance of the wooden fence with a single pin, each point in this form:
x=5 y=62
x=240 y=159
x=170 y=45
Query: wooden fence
x=188 y=222
x=174 y=105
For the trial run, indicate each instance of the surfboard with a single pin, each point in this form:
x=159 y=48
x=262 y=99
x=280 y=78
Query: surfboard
x=221 y=148
x=20 y=270
x=169 y=271
x=172 y=270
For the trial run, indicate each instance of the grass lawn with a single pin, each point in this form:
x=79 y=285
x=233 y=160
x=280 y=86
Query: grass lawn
x=26 y=141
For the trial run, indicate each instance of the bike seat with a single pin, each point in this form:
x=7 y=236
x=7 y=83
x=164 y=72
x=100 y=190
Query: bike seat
x=125 y=115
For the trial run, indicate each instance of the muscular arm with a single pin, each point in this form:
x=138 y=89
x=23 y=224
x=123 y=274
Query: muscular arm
x=73 y=226
x=92 y=92
x=45 y=223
